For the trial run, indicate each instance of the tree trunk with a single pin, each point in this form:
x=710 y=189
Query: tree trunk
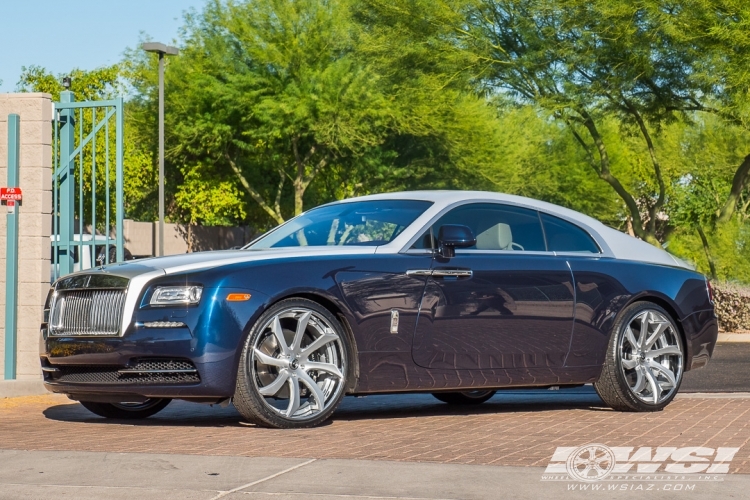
x=602 y=168
x=738 y=184
x=299 y=193
x=711 y=263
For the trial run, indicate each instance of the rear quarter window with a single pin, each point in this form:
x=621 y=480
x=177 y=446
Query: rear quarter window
x=562 y=236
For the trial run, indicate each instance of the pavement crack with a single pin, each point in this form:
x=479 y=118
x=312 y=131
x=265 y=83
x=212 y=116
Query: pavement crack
x=240 y=488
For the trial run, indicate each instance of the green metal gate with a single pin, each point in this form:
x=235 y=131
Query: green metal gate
x=87 y=183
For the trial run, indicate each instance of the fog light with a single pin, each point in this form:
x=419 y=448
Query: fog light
x=164 y=324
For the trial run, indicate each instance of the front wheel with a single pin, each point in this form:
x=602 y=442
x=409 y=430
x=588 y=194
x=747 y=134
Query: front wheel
x=464 y=398
x=294 y=366
x=127 y=411
x=645 y=360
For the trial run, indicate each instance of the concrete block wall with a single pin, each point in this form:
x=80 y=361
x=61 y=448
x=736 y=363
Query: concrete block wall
x=141 y=238
x=35 y=223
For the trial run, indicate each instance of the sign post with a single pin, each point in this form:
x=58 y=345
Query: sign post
x=12 y=196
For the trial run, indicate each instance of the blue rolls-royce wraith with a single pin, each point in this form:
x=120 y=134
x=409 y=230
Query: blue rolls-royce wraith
x=453 y=293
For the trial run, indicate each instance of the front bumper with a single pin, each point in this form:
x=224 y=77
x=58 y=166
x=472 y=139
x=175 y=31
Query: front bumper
x=147 y=362
x=197 y=361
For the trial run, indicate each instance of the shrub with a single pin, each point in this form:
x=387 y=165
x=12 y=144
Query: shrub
x=732 y=306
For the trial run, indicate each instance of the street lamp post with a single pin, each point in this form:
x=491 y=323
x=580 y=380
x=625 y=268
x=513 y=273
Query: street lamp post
x=162 y=50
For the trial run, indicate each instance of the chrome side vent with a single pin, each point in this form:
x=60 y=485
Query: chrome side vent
x=83 y=312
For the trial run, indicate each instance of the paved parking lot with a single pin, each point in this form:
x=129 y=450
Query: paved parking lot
x=397 y=446
x=515 y=428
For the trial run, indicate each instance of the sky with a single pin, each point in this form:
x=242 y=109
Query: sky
x=64 y=34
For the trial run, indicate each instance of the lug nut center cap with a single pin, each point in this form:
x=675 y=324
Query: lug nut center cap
x=294 y=364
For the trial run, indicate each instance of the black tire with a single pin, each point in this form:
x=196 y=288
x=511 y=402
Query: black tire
x=613 y=386
x=465 y=397
x=127 y=411
x=257 y=408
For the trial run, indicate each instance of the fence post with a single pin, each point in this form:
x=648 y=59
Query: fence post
x=120 y=184
x=11 y=250
x=67 y=187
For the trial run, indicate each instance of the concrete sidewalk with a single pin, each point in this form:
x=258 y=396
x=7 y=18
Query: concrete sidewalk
x=17 y=388
x=87 y=475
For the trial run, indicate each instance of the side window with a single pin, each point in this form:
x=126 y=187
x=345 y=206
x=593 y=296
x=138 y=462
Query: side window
x=496 y=227
x=562 y=236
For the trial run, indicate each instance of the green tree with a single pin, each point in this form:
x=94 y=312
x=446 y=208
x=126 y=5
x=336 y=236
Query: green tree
x=716 y=35
x=277 y=98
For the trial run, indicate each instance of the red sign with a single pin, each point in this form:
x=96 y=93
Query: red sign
x=10 y=194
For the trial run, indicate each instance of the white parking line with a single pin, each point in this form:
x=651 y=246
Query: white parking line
x=235 y=490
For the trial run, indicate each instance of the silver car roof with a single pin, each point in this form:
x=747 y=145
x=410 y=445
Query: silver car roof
x=614 y=244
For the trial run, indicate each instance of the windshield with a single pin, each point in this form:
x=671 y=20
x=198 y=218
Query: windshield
x=362 y=223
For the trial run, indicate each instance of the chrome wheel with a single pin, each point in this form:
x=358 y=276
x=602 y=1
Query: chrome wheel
x=298 y=364
x=651 y=357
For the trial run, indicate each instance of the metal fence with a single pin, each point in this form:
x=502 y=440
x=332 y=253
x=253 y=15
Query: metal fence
x=87 y=183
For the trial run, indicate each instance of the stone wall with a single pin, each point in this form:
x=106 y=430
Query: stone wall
x=35 y=223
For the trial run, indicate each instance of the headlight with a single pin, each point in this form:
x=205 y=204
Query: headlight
x=175 y=295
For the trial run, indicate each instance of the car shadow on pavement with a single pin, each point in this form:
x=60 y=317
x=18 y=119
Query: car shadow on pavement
x=374 y=407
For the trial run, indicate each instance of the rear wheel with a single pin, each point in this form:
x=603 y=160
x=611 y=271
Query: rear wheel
x=645 y=360
x=127 y=410
x=465 y=397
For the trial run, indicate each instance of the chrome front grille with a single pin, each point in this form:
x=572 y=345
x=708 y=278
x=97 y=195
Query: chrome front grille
x=87 y=312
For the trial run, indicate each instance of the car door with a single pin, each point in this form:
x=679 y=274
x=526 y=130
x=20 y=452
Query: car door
x=504 y=303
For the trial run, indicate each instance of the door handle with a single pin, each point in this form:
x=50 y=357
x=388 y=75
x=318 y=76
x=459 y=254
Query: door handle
x=452 y=273
x=419 y=272
x=441 y=273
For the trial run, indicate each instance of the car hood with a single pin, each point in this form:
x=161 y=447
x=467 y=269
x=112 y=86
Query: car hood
x=206 y=260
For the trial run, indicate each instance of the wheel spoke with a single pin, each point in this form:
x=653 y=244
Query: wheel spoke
x=655 y=336
x=293 y=397
x=631 y=338
x=629 y=364
x=655 y=390
x=279 y=334
x=301 y=328
x=320 y=398
x=655 y=353
x=270 y=360
x=324 y=367
x=644 y=330
x=318 y=343
x=640 y=381
x=664 y=371
x=275 y=386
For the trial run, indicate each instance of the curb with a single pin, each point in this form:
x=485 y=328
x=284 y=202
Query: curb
x=734 y=337
x=15 y=388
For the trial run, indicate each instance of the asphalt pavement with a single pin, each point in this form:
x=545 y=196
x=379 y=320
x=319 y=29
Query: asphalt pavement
x=728 y=371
